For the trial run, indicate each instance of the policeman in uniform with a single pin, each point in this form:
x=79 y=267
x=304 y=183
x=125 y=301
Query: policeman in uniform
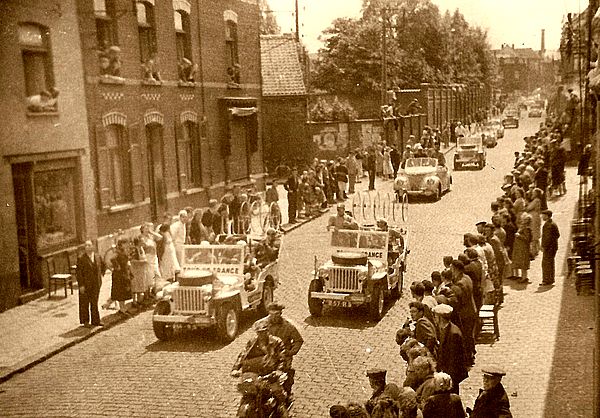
x=377 y=382
x=282 y=328
x=492 y=401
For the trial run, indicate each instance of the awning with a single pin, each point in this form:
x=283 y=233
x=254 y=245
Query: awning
x=243 y=111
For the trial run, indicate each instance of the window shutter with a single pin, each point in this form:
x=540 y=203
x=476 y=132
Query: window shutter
x=137 y=162
x=103 y=169
x=182 y=162
x=204 y=153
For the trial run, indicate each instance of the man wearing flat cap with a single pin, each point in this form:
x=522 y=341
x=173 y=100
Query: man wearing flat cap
x=451 y=352
x=550 y=235
x=492 y=401
x=288 y=333
x=377 y=382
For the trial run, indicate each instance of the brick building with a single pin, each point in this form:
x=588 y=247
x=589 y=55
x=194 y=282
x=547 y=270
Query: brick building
x=114 y=112
x=172 y=91
x=284 y=101
x=45 y=175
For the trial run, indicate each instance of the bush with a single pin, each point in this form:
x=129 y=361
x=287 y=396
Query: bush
x=335 y=111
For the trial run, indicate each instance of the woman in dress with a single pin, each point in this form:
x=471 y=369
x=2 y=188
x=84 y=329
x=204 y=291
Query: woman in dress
x=519 y=204
x=149 y=238
x=167 y=258
x=388 y=170
x=534 y=209
x=520 y=253
x=138 y=266
x=121 y=275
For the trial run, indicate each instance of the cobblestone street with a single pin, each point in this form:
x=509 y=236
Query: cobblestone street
x=545 y=345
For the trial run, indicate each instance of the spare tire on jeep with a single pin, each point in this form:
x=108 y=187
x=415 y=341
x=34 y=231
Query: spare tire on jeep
x=349 y=259
x=195 y=278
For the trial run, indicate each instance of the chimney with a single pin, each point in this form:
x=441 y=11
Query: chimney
x=513 y=46
x=543 y=47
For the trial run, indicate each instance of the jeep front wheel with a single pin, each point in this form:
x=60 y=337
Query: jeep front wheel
x=228 y=322
x=377 y=303
x=315 y=306
x=163 y=331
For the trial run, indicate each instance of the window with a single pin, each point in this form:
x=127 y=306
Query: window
x=54 y=204
x=188 y=148
x=106 y=33
x=146 y=29
x=37 y=65
x=231 y=45
x=182 y=35
x=118 y=169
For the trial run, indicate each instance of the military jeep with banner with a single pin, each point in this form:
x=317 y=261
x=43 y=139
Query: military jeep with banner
x=470 y=153
x=359 y=272
x=214 y=287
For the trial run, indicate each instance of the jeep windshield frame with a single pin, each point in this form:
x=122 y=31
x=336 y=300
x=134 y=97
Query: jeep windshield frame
x=373 y=244
x=215 y=258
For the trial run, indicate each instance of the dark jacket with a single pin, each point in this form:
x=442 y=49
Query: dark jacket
x=89 y=274
x=444 y=405
x=451 y=354
x=492 y=404
x=550 y=236
x=426 y=334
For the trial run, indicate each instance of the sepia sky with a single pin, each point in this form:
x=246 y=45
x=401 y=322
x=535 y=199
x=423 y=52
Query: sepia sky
x=517 y=22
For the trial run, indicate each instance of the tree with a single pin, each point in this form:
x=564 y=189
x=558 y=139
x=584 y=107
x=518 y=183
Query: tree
x=422 y=47
x=268 y=21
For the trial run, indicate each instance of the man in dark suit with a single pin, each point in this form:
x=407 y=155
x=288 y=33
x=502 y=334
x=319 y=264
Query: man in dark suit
x=370 y=164
x=291 y=186
x=492 y=401
x=90 y=268
x=550 y=235
x=451 y=352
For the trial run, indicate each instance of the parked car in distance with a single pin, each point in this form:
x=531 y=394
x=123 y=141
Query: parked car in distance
x=423 y=176
x=497 y=125
x=535 y=112
x=470 y=153
x=511 y=119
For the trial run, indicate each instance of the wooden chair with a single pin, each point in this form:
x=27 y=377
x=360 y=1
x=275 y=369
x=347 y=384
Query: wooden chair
x=59 y=273
x=488 y=317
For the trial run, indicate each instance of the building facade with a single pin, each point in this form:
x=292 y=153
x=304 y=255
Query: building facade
x=116 y=112
x=45 y=175
x=172 y=91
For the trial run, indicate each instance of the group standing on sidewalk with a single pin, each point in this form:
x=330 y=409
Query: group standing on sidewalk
x=438 y=341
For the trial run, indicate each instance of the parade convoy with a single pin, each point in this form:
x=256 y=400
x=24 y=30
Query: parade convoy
x=214 y=287
x=361 y=272
x=423 y=176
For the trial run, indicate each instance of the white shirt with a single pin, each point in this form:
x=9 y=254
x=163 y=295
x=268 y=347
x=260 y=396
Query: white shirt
x=178 y=232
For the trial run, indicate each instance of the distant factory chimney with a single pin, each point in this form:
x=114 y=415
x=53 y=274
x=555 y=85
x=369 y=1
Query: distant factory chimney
x=543 y=47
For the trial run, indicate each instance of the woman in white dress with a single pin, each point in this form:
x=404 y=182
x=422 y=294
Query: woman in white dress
x=167 y=257
x=149 y=238
x=388 y=170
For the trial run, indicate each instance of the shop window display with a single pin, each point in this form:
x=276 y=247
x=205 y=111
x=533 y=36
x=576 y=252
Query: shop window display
x=54 y=208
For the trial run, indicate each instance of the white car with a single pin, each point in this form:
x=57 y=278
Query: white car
x=423 y=176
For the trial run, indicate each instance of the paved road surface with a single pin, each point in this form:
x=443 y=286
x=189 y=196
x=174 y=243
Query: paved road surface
x=125 y=371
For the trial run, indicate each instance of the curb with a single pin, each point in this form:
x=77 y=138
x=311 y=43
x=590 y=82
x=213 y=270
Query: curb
x=109 y=321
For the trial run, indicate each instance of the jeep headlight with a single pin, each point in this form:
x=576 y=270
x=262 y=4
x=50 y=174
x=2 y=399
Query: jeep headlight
x=323 y=273
x=362 y=276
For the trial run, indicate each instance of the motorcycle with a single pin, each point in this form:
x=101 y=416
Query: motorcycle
x=259 y=395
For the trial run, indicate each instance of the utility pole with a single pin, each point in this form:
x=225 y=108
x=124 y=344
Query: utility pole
x=384 y=57
x=297 y=23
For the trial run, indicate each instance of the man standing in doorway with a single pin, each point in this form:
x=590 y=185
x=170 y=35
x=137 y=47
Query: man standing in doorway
x=550 y=235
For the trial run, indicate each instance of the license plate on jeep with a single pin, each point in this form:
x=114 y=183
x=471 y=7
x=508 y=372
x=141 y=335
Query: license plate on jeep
x=339 y=303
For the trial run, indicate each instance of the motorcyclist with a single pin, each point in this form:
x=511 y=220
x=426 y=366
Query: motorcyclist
x=264 y=353
x=292 y=341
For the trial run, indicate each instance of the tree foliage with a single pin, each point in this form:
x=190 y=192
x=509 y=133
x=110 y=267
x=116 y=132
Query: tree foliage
x=422 y=46
x=268 y=22
x=335 y=110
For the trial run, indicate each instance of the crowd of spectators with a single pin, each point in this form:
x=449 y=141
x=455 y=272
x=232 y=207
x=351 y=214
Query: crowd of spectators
x=437 y=342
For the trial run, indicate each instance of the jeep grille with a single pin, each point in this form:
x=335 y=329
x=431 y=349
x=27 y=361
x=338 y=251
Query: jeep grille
x=343 y=280
x=188 y=300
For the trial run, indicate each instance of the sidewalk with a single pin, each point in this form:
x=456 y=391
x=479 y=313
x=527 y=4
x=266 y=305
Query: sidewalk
x=33 y=332
x=547 y=336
